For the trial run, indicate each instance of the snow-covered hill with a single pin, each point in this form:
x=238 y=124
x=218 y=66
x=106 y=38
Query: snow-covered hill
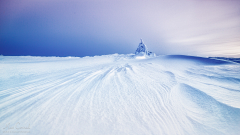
x=119 y=94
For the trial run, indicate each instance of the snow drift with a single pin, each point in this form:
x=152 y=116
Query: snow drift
x=118 y=94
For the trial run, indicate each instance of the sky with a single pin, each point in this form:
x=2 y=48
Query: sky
x=100 y=27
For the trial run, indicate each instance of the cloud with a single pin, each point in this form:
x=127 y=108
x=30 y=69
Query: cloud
x=194 y=27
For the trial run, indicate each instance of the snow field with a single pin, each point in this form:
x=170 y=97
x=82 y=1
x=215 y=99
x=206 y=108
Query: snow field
x=118 y=94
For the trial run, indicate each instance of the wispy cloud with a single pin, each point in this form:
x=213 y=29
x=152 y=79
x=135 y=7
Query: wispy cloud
x=196 y=27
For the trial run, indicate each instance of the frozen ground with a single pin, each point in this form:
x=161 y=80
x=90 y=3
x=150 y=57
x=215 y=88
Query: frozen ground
x=119 y=95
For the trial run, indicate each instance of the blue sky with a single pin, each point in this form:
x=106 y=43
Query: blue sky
x=97 y=27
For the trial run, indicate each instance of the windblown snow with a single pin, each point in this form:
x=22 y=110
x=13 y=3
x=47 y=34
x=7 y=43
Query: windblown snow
x=119 y=95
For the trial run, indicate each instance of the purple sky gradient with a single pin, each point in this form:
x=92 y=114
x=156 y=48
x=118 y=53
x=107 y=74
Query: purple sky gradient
x=96 y=27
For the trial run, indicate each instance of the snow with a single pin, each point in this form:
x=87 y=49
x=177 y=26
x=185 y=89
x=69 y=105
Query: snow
x=119 y=94
x=140 y=57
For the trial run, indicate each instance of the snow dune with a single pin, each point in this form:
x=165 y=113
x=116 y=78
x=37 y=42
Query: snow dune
x=119 y=94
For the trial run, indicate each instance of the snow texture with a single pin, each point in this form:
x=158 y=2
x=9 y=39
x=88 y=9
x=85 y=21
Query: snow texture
x=118 y=95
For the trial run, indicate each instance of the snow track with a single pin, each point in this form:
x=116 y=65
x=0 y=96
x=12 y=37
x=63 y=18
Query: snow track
x=117 y=94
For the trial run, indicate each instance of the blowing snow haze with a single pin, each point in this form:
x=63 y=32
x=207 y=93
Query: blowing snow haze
x=88 y=28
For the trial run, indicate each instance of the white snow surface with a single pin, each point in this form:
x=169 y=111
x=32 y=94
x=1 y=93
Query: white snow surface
x=119 y=95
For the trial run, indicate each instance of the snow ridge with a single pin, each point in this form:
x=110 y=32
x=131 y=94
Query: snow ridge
x=117 y=95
